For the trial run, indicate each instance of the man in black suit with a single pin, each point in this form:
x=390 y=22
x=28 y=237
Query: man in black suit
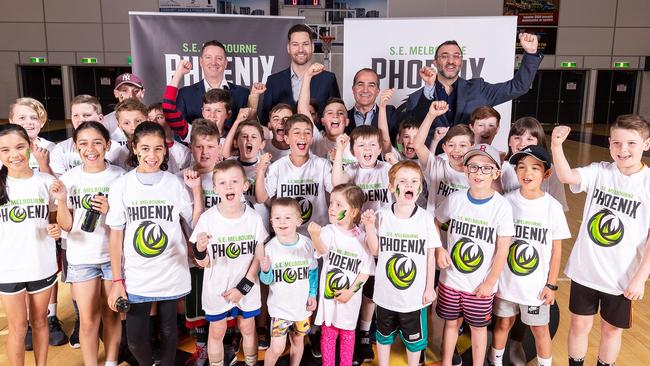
x=213 y=64
x=365 y=89
x=284 y=86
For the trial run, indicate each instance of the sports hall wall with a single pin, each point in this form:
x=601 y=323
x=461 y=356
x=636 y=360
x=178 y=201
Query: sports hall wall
x=593 y=33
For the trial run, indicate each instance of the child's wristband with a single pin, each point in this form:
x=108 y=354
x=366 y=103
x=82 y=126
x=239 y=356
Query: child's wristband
x=197 y=254
x=118 y=280
x=245 y=286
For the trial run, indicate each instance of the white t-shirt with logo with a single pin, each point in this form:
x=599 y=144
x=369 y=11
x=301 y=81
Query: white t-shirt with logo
x=28 y=254
x=290 y=266
x=84 y=247
x=537 y=223
x=373 y=182
x=308 y=184
x=442 y=180
x=64 y=156
x=552 y=185
x=231 y=252
x=401 y=274
x=345 y=259
x=614 y=229
x=180 y=158
x=472 y=237
x=155 y=251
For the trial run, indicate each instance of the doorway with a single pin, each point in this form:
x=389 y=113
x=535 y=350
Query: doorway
x=45 y=84
x=615 y=94
x=98 y=82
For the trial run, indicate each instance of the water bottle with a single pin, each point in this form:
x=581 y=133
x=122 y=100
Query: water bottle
x=90 y=220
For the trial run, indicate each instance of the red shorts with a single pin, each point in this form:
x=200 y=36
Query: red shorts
x=454 y=304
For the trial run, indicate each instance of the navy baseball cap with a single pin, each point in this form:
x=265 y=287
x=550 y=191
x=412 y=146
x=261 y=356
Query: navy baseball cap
x=535 y=151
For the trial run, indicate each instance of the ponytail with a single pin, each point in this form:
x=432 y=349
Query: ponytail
x=4 y=196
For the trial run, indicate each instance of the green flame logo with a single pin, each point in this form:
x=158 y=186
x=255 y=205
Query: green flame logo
x=289 y=275
x=401 y=271
x=335 y=280
x=523 y=258
x=233 y=251
x=306 y=209
x=17 y=214
x=149 y=239
x=86 y=201
x=466 y=255
x=605 y=229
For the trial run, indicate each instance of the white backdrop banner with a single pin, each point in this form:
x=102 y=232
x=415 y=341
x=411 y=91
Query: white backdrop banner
x=396 y=48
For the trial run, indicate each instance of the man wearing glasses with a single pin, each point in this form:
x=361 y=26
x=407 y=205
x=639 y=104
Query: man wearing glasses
x=464 y=96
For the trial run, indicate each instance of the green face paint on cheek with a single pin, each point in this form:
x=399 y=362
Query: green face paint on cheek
x=397 y=190
x=341 y=215
x=419 y=189
x=29 y=153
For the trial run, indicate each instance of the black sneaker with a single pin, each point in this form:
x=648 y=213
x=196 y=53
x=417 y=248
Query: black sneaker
x=314 y=340
x=29 y=346
x=262 y=339
x=57 y=335
x=456 y=360
x=364 y=348
x=74 y=336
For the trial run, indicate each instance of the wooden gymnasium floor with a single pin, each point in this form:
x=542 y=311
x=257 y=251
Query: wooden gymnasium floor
x=636 y=342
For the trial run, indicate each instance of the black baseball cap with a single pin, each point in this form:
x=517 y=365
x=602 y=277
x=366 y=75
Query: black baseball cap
x=535 y=151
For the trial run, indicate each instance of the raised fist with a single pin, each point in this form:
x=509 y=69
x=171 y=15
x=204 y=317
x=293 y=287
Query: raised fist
x=528 y=42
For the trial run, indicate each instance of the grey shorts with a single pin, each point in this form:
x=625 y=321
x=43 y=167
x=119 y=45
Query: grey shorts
x=530 y=315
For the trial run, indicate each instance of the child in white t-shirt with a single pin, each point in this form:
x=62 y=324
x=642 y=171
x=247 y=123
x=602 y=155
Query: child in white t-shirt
x=179 y=155
x=301 y=175
x=28 y=265
x=334 y=119
x=147 y=240
x=347 y=265
x=368 y=173
x=277 y=146
x=64 y=156
x=129 y=114
x=529 y=282
x=228 y=243
x=610 y=260
x=30 y=114
x=81 y=193
x=524 y=132
x=291 y=272
x=403 y=240
x=478 y=236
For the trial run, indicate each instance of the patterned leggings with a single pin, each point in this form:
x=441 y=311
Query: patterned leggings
x=328 y=345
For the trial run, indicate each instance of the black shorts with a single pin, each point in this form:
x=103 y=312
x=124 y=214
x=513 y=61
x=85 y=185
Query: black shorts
x=31 y=287
x=412 y=328
x=369 y=287
x=614 y=309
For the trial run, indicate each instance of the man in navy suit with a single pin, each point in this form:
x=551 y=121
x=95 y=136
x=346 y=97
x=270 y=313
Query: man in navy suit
x=213 y=64
x=284 y=86
x=365 y=90
x=464 y=96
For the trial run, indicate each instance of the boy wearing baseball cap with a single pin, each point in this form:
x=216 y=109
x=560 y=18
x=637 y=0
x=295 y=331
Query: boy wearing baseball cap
x=528 y=283
x=479 y=231
x=127 y=86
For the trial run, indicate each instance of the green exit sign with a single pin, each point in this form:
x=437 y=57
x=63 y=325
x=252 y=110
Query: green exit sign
x=569 y=64
x=129 y=60
x=37 y=60
x=89 y=60
x=621 y=65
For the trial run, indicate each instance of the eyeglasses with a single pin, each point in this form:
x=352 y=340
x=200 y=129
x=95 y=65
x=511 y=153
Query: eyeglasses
x=485 y=169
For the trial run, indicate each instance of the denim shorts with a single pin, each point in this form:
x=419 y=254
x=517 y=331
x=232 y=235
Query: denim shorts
x=137 y=299
x=85 y=272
